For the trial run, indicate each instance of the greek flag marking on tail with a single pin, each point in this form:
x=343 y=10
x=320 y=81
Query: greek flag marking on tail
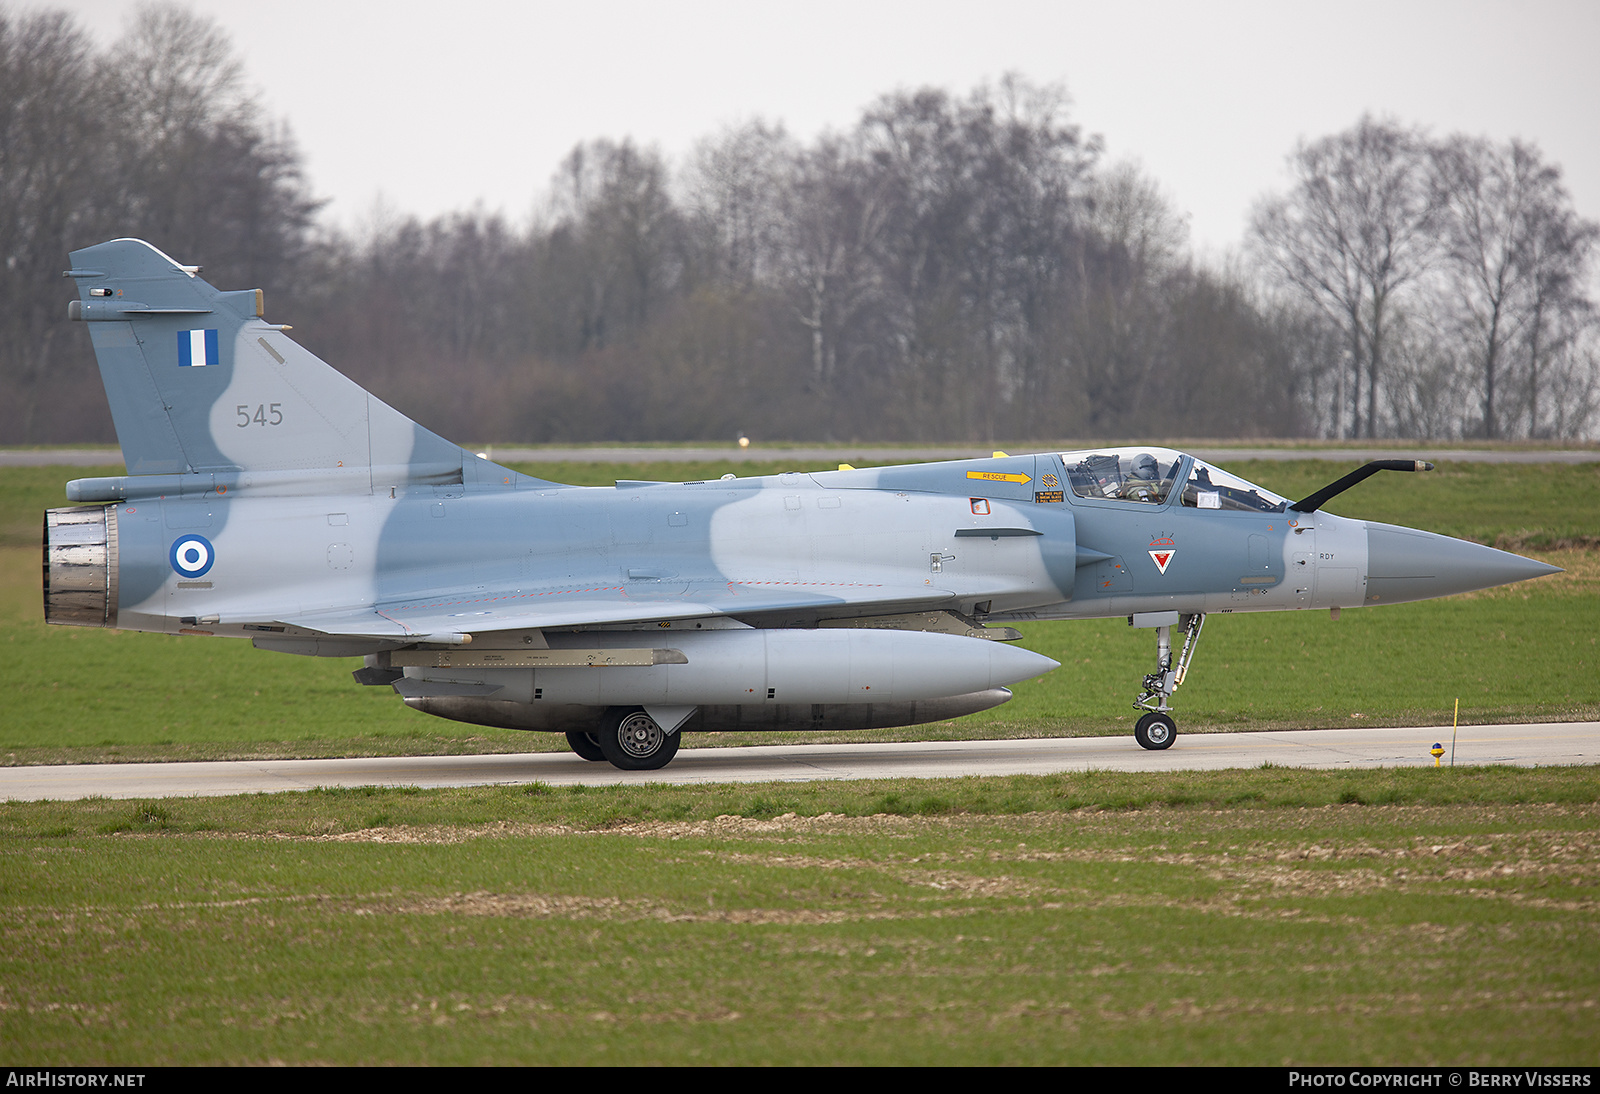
x=197 y=347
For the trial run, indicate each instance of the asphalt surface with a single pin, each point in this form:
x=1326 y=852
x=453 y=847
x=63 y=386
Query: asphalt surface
x=834 y=454
x=1534 y=745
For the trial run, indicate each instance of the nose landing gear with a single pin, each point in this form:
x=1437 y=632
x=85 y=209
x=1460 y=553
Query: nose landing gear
x=1157 y=730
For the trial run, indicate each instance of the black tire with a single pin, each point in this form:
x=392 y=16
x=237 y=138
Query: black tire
x=633 y=741
x=586 y=745
x=1155 y=731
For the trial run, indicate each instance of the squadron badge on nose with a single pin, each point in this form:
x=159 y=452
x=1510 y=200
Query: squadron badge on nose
x=1162 y=549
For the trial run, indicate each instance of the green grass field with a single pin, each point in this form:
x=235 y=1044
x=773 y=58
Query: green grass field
x=1262 y=917
x=1524 y=653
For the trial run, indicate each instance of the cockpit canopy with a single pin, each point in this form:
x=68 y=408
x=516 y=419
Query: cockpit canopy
x=1148 y=475
x=1127 y=474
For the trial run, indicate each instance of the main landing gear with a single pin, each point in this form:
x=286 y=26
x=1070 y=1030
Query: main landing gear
x=586 y=745
x=1157 y=730
x=629 y=738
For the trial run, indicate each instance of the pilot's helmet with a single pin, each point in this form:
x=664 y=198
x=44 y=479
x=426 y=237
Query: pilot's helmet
x=1144 y=467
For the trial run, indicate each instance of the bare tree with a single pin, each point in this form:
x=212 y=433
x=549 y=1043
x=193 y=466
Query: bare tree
x=620 y=235
x=984 y=202
x=832 y=213
x=1354 y=231
x=1515 y=254
x=1433 y=381
x=732 y=184
x=1559 y=318
x=193 y=164
x=1569 y=381
x=156 y=137
x=1122 y=316
x=48 y=131
x=1484 y=198
x=1487 y=198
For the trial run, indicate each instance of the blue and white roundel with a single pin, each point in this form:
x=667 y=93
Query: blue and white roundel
x=192 y=555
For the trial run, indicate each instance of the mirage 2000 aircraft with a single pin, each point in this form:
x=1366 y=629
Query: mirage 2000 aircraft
x=268 y=497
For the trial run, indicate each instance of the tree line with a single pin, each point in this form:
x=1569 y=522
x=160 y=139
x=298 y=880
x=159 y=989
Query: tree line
x=1455 y=275
x=157 y=137
x=951 y=267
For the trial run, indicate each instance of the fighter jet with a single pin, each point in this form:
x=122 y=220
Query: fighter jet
x=269 y=497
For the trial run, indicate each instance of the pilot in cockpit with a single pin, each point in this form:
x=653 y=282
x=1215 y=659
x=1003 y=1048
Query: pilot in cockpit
x=1143 y=481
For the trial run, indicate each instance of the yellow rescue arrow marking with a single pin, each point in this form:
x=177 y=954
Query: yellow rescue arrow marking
x=995 y=476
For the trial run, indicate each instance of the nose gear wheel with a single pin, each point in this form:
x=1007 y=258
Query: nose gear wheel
x=1157 y=728
x=1155 y=731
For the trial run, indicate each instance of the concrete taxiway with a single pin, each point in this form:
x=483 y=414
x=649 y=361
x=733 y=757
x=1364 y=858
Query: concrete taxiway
x=1532 y=745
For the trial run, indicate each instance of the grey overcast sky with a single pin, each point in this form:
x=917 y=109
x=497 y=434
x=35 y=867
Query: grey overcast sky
x=439 y=107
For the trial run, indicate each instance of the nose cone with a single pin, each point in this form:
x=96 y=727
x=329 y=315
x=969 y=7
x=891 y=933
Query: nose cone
x=1405 y=564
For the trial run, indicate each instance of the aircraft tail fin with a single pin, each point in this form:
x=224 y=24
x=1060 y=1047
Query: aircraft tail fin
x=201 y=385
